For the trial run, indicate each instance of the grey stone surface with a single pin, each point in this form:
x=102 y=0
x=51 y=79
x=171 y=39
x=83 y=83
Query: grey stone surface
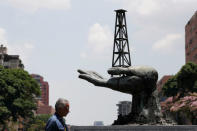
x=134 y=128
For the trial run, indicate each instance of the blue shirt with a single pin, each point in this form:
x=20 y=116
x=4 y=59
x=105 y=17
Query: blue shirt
x=56 y=123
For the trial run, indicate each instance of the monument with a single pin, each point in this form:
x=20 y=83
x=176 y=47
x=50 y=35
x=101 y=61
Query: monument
x=138 y=81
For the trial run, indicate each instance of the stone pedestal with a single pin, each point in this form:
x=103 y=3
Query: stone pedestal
x=134 y=128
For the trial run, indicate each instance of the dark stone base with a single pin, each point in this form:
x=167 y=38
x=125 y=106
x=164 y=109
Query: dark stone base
x=135 y=128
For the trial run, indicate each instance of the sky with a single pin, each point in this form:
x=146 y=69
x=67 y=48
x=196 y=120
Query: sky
x=54 y=38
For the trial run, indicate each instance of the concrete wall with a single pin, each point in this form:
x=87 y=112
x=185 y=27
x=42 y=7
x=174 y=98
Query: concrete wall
x=134 y=128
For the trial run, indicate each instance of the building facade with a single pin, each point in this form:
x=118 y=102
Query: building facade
x=43 y=106
x=44 y=86
x=124 y=107
x=9 y=61
x=162 y=81
x=160 y=85
x=98 y=123
x=191 y=39
x=44 y=109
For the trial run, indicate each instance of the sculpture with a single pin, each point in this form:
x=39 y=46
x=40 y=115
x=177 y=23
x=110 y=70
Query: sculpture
x=140 y=82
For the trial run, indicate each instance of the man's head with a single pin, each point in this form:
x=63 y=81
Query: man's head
x=62 y=107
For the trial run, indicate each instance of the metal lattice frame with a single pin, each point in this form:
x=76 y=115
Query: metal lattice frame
x=121 y=53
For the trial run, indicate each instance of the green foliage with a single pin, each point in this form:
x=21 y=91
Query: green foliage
x=183 y=82
x=43 y=117
x=38 y=125
x=17 y=94
x=187 y=78
x=182 y=86
x=38 y=122
x=170 y=87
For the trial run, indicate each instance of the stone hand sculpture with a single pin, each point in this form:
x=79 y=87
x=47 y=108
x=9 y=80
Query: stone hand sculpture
x=133 y=78
x=140 y=82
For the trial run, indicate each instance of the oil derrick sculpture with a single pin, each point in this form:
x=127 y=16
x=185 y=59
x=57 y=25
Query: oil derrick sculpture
x=138 y=81
x=121 y=53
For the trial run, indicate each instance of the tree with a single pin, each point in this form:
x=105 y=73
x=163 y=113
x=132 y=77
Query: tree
x=184 y=82
x=170 y=87
x=187 y=79
x=18 y=91
x=38 y=122
x=38 y=125
x=182 y=92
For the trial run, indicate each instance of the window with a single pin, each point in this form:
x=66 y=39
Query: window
x=188 y=22
x=186 y=46
x=195 y=57
x=190 y=41
x=195 y=47
x=193 y=28
x=190 y=30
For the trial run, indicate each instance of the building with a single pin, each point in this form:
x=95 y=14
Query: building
x=98 y=123
x=191 y=39
x=44 y=86
x=124 y=107
x=9 y=61
x=162 y=81
x=43 y=106
x=44 y=109
x=160 y=85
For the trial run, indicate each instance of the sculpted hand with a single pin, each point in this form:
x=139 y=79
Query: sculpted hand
x=93 y=78
x=133 y=79
x=140 y=82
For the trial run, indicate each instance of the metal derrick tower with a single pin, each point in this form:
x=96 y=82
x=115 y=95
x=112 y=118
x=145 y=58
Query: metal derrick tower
x=121 y=53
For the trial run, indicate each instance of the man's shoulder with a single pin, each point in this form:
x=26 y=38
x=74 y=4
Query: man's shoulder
x=55 y=121
x=51 y=124
x=52 y=119
x=54 y=124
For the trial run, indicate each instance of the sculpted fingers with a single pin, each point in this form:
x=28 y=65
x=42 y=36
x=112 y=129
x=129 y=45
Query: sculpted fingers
x=84 y=76
x=93 y=80
x=117 y=70
x=88 y=78
x=82 y=71
x=91 y=73
x=97 y=75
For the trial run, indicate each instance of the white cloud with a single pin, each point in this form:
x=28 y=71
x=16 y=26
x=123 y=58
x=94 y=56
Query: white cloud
x=167 y=44
x=24 y=50
x=100 y=40
x=83 y=55
x=34 y=5
x=148 y=6
x=2 y=36
x=142 y=7
x=28 y=45
x=176 y=1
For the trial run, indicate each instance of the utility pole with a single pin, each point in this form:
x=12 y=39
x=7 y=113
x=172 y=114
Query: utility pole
x=121 y=53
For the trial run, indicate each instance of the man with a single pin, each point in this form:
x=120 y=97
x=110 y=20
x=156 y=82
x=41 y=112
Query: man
x=56 y=122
